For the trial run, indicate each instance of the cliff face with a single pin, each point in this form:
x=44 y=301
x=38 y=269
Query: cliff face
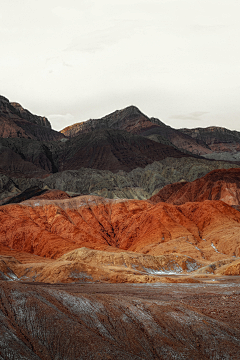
x=25 y=114
x=17 y=122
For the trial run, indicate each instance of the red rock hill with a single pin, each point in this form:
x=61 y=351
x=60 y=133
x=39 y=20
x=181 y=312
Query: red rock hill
x=217 y=185
x=207 y=230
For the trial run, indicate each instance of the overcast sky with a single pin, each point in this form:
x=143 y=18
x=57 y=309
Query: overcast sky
x=177 y=60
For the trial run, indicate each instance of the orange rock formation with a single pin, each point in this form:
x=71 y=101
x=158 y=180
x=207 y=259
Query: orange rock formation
x=206 y=230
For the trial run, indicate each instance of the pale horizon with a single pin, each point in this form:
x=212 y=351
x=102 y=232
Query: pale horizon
x=176 y=60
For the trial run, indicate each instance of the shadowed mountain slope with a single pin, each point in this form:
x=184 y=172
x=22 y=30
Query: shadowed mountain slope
x=100 y=149
x=17 y=122
x=131 y=119
x=113 y=150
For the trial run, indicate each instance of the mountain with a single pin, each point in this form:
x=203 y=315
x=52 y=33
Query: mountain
x=17 y=122
x=112 y=150
x=224 y=143
x=131 y=119
x=217 y=185
x=70 y=238
x=123 y=142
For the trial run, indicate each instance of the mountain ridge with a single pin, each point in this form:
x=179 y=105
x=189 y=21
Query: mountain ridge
x=15 y=121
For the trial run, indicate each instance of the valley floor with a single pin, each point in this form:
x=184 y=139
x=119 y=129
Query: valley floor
x=121 y=321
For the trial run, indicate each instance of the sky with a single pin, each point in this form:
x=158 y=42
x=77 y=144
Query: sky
x=177 y=60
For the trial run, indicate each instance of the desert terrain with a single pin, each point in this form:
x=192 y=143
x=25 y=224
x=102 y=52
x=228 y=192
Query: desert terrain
x=119 y=239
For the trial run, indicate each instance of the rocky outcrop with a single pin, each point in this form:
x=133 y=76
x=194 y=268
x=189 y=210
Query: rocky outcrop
x=151 y=178
x=26 y=115
x=214 y=135
x=17 y=122
x=217 y=185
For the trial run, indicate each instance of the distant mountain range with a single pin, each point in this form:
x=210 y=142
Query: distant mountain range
x=132 y=120
x=213 y=142
x=121 y=145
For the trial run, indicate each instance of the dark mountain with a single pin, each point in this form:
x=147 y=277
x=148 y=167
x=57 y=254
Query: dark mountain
x=224 y=143
x=131 y=119
x=112 y=150
x=17 y=122
x=214 y=135
x=121 y=142
x=25 y=157
x=100 y=149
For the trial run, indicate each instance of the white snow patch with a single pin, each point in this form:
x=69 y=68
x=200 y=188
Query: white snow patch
x=214 y=247
x=177 y=270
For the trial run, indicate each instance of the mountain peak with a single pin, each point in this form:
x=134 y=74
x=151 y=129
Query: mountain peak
x=3 y=99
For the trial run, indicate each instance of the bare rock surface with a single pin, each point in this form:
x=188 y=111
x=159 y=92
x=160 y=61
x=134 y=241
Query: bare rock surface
x=131 y=119
x=140 y=183
x=224 y=143
x=207 y=230
x=17 y=122
x=217 y=185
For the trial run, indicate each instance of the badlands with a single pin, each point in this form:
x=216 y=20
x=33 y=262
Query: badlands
x=118 y=239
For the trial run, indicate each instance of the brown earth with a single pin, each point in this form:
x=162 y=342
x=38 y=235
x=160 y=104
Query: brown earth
x=217 y=185
x=80 y=321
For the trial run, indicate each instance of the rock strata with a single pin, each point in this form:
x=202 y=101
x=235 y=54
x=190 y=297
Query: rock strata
x=224 y=143
x=140 y=183
x=217 y=185
x=206 y=230
x=131 y=119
